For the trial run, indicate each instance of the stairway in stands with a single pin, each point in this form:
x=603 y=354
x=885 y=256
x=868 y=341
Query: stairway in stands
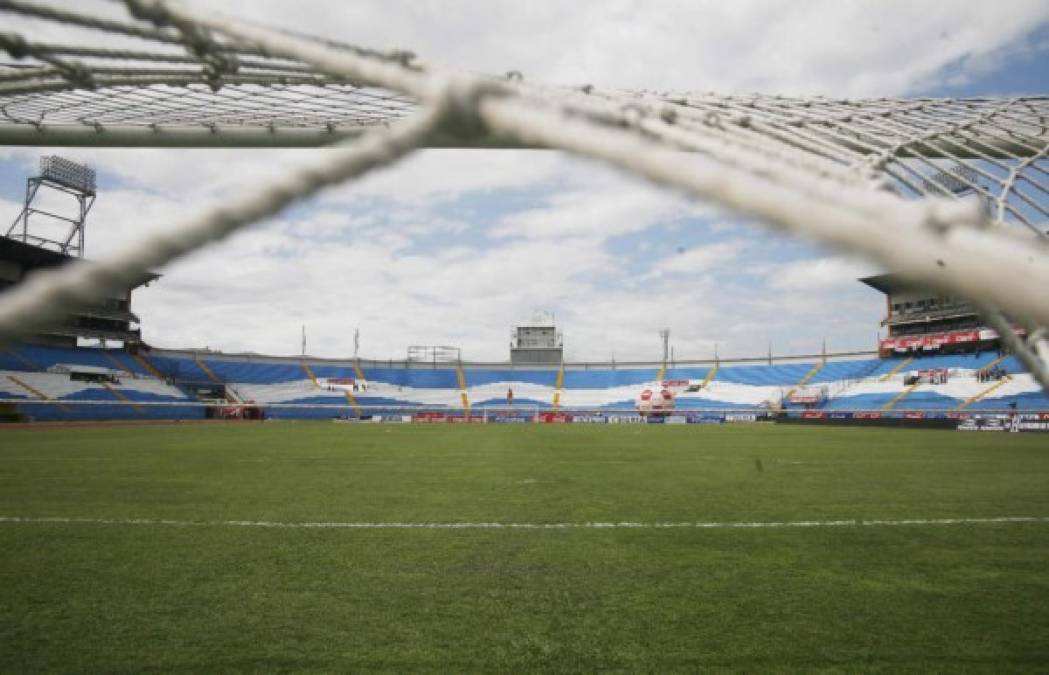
x=29 y=365
x=310 y=374
x=149 y=367
x=805 y=379
x=123 y=397
x=900 y=366
x=983 y=394
x=40 y=396
x=207 y=370
x=119 y=366
x=461 y=376
x=907 y=391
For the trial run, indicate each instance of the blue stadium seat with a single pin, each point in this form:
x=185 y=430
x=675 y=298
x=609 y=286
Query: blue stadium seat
x=179 y=368
x=608 y=378
x=437 y=378
x=45 y=357
x=952 y=361
x=10 y=362
x=255 y=372
x=326 y=370
x=1033 y=400
x=686 y=373
x=765 y=376
x=835 y=371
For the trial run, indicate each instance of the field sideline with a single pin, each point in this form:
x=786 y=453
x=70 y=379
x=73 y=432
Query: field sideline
x=316 y=546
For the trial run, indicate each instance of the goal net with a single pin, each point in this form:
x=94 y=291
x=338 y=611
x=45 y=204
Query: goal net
x=949 y=193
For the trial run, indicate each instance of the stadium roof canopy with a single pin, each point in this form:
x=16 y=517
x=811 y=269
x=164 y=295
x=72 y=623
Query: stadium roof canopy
x=33 y=257
x=889 y=283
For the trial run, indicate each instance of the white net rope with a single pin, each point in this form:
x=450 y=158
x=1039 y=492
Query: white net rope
x=950 y=193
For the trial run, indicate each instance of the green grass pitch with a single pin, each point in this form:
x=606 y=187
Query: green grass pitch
x=201 y=595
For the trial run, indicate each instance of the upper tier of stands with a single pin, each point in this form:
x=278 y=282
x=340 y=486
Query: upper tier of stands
x=258 y=373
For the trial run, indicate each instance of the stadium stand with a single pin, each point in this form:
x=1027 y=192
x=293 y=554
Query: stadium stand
x=254 y=372
x=328 y=370
x=9 y=361
x=687 y=373
x=325 y=389
x=761 y=376
x=605 y=378
x=543 y=378
x=47 y=357
x=180 y=368
x=836 y=371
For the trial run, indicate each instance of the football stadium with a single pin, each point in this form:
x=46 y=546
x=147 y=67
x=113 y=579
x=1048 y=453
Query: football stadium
x=170 y=507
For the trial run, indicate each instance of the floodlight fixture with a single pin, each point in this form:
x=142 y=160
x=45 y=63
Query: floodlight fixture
x=66 y=172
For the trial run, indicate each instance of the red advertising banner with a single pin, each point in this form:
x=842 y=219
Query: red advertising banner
x=429 y=417
x=465 y=419
x=867 y=415
x=934 y=341
x=913 y=415
x=937 y=340
x=813 y=414
x=553 y=418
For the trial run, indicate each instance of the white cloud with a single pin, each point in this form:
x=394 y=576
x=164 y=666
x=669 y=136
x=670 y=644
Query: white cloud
x=702 y=259
x=818 y=275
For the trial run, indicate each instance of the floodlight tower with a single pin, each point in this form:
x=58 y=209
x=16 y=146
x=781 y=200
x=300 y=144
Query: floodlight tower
x=69 y=179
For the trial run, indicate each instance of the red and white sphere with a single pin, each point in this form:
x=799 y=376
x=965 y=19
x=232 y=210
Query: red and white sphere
x=655 y=402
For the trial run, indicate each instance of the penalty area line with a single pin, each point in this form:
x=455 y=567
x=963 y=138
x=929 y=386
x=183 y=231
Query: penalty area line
x=624 y=525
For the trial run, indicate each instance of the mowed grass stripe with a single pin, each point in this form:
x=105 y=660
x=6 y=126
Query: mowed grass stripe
x=629 y=525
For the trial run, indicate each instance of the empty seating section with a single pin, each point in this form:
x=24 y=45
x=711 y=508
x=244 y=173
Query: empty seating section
x=607 y=379
x=885 y=367
x=834 y=371
x=258 y=372
x=852 y=384
x=476 y=377
x=11 y=362
x=72 y=411
x=685 y=373
x=128 y=363
x=1012 y=365
x=179 y=368
x=1032 y=400
x=704 y=403
x=954 y=361
x=764 y=375
x=421 y=378
x=46 y=357
x=78 y=400
x=922 y=399
x=519 y=401
x=329 y=370
x=861 y=401
x=9 y=389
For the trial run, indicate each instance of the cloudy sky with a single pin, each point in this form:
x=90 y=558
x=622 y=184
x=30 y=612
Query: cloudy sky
x=455 y=247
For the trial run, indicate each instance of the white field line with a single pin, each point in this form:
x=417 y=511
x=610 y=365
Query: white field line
x=628 y=525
